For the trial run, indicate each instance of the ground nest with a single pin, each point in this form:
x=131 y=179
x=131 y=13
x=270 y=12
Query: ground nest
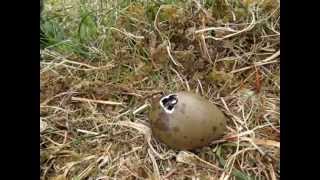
x=102 y=63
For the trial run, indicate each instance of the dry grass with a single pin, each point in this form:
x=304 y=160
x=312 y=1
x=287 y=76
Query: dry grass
x=104 y=60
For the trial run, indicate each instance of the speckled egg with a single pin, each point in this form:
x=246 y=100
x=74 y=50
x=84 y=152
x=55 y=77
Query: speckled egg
x=186 y=121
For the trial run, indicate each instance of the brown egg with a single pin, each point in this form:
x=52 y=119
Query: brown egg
x=186 y=121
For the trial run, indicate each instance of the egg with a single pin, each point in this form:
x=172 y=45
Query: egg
x=186 y=121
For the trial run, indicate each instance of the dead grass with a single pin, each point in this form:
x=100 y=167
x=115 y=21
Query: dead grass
x=104 y=61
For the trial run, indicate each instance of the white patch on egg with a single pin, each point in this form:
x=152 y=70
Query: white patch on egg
x=174 y=102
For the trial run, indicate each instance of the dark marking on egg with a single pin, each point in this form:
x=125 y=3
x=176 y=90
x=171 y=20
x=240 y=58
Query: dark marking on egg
x=176 y=129
x=183 y=108
x=214 y=129
x=162 y=122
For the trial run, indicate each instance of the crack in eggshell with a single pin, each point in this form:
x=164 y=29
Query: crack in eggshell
x=172 y=103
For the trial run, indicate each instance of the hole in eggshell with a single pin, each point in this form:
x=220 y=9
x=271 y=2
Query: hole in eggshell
x=169 y=102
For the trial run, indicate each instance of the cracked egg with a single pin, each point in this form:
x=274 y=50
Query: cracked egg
x=185 y=120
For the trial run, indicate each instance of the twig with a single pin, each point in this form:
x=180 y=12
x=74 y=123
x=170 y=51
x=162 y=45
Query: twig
x=155 y=165
x=272 y=174
x=56 y=96
x=155 y=22
x=230 y=162
x=273 y=56
x=248 y=28
x=189 y=157
x=201 y=88
x=255 y=65
x=87 y=132
x=205 y=48
x=181 y=79
x=95 y=101
x=141 y=108
x=80 y=64
x=171 y=58
x=86 y=171
x=254 y=145
x=216 y=29
x=130 y=35
x=70 y=64
x=267 y=142
x=203 y=10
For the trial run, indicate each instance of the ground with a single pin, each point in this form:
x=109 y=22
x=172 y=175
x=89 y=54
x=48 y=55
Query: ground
x=104 y=61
